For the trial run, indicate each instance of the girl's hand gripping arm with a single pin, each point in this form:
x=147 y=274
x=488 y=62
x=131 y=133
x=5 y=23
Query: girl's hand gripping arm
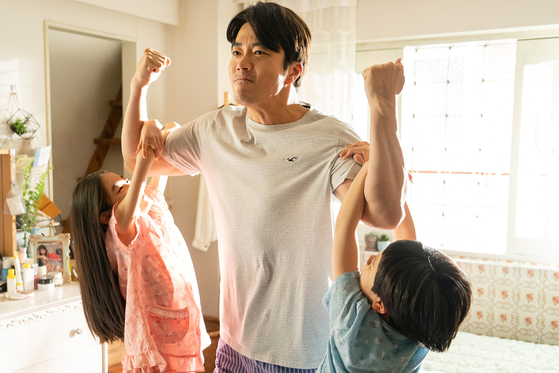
x=345 y=253
x=153 y=135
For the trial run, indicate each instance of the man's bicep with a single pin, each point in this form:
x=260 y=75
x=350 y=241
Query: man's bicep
x=341 y=192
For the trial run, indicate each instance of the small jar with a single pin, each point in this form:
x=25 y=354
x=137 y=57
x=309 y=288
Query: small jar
x=56 y=278
x=46 y=283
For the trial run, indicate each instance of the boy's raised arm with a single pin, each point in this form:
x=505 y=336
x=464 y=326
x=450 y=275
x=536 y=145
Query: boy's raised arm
x=406 y=229
x=345 y=252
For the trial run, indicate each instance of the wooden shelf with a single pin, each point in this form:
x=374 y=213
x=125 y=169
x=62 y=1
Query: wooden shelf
x=7 y=222
x=109 y=142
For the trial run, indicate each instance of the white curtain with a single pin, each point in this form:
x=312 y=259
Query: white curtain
x=328 y=82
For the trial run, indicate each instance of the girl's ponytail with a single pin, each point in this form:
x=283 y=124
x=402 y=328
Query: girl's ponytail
x=103 y=303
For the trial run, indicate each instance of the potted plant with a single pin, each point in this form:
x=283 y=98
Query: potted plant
x=23 y=124
x=371 y=242
x=19 y=126
x=383 y=242
x=31 y=199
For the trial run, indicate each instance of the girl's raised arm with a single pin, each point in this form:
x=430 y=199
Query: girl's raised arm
x=345 y=252
x=128 y=207
x=160 y=182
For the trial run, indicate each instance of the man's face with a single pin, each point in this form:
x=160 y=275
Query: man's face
x=256 y=73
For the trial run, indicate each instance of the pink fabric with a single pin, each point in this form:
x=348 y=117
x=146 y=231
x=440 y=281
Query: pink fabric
x=164 y=329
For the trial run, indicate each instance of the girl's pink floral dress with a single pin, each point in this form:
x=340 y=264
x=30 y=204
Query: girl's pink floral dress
x=164 y=329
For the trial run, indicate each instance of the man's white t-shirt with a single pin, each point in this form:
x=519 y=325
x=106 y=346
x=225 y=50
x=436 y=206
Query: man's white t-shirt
x=271 y=188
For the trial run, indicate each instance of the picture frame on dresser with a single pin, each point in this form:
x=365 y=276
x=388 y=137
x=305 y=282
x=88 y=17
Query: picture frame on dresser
x=54 y=250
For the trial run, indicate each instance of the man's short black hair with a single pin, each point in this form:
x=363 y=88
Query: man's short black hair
x=277 y=28
x=425 y=293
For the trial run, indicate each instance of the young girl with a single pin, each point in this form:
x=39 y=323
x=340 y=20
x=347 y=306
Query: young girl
x=136 y=277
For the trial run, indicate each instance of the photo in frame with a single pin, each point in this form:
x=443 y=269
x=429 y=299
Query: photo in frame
x=54 y=250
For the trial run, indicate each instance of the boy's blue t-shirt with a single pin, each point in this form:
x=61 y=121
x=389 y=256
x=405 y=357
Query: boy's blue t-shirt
x=360 y=340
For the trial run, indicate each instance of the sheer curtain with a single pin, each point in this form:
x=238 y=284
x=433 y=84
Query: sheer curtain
x=328 y=82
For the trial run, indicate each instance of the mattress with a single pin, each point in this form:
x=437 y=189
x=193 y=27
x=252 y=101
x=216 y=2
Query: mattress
x=470 y=353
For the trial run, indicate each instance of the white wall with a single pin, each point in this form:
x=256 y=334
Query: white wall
x=381 y=20
x=166 y=11
x=22 y=49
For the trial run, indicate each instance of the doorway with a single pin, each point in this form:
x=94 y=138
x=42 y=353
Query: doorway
x=85 y=73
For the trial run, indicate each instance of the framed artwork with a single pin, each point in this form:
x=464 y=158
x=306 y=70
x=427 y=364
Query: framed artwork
x=54 y=252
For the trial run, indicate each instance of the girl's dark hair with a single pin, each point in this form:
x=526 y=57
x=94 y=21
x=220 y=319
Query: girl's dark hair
x=277 y=28
x=103 y=303
x=426 y=295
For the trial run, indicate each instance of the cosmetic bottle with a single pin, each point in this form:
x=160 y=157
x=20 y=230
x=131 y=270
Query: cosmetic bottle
x=35 y=275
x=56 y=278
x=11 y=278
x=21 y=255
x=32 y=265
x=19 y=279
x=42 y=270
x=28 y=277
x=45 y=283
x=6 y=264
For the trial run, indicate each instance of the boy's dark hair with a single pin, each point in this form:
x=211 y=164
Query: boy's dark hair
x=277 y=28
x=426 y=295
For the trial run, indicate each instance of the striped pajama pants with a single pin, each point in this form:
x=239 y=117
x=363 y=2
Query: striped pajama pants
x=230 y=361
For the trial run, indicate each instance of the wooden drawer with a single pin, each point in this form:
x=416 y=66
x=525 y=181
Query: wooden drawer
x=51 y=337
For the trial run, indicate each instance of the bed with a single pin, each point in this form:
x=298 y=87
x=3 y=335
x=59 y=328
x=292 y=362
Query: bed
x=470 y=353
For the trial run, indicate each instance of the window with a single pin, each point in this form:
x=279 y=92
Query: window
x=479 y=131
x=534 y=228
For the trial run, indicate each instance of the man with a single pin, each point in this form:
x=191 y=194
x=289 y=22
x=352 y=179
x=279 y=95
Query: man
x=271 y=169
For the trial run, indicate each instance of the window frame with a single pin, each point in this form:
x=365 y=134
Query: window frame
x=371 y=53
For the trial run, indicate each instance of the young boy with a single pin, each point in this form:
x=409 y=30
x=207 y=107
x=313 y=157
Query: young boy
x=407 y=300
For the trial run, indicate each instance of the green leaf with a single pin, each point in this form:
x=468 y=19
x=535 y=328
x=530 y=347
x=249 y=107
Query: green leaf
x=31 y=200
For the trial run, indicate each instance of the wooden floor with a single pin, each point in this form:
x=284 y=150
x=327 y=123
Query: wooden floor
x=117 y=368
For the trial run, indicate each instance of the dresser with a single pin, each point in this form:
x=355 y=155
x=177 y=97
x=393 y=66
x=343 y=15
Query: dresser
x=47 y=333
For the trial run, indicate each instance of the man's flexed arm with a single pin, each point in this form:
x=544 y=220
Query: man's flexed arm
x=151 y=64
x=384 y=185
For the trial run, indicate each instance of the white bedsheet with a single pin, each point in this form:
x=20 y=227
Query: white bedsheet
x=470 y=353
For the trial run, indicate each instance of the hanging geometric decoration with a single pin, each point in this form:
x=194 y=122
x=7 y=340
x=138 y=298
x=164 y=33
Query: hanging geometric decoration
x=20 y=121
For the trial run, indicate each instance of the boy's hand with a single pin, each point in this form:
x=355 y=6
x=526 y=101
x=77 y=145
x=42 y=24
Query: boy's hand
x=151 y=137
x=358 y=150
x=384 y=82
x=151 y=65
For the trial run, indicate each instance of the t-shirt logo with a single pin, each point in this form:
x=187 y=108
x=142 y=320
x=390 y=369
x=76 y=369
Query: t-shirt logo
x=290 y=159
